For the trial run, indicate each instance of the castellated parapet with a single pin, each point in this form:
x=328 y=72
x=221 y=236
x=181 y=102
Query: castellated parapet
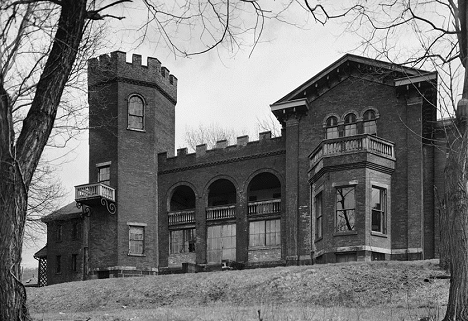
x=265 y=146
x=114 y=67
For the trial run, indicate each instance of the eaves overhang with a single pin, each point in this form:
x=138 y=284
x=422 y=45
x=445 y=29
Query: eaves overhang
x=412 y=80
x=348 y=60
x=282 y=110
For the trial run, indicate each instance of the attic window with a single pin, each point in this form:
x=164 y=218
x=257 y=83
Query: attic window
x=350 y=124
x=370 y=125
x=332 y=127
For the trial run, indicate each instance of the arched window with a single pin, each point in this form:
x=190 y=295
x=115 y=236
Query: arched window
x=370 y=125
x=136 y=113
x=350 y=125
x=332 y=127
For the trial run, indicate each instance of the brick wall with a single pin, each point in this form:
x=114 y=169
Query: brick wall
x=239 y=164
x=65 y=248
x=132 y=153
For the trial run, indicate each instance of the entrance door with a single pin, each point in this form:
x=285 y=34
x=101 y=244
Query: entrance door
x=221 y=243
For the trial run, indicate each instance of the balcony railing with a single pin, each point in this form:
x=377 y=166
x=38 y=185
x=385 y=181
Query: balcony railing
x=181 y=217
x=351 y=144
x=264 y=207
x=220 y=212
x=94 y=190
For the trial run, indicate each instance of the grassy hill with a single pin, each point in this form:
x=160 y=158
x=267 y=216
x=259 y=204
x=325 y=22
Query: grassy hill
x=354 y=291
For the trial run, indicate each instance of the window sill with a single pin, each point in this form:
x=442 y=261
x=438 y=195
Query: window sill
x=345 y=233
x=260 y=248
x=136 y=130
x=134 y=254
x=181 y=253
x=378 y=234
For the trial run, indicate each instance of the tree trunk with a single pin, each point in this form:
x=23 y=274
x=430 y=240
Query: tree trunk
x=456 y=216
x=13 y=203
x=457 y=222
x=19 y=161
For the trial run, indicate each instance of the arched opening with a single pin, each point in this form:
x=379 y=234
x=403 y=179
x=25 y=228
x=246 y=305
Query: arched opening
x=370 y=125
x=264 y=211
x=183 y=198
x=264 y=194
x=221 y=239
x=222 y=192
x=332 y=127
x=182 y=232
x=350 y=125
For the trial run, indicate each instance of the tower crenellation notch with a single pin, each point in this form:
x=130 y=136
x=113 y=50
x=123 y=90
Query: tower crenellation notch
x=114 y=67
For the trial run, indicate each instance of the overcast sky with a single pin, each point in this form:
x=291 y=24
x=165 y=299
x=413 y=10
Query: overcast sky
x=231 y=90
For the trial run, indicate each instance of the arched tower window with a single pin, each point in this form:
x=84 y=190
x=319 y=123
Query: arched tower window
x=331 y=127
x=370 y=125
x=350 y=124
x=136 y=113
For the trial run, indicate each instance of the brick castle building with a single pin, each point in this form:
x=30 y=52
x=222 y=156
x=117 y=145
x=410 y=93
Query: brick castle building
x=350 y=178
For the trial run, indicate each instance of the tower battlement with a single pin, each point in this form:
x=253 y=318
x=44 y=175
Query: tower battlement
x=114 y=67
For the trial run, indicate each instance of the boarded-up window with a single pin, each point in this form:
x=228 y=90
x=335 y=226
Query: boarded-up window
x=221 y=243
x=346 y=257
x=136 y=240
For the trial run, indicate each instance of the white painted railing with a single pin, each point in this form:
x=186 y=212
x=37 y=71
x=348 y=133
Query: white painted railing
x=220 y=212
x=264 y=207
x=343 y=145
x=87 y=191
x=181 y=217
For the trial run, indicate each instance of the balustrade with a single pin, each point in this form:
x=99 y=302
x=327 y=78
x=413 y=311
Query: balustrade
x=181 y=217
x=337 y=146
x=220 y=212
x=264 y=207
x=93 y=190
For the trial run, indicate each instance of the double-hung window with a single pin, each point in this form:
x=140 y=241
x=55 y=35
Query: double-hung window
x=265 y=233
x=370 y=125
x=350 y=125
x=345 y=209
x=318 y=216
x=378 y=206
x=182 y=241
x=332 y=127
x=104 y=174
x=136 y=113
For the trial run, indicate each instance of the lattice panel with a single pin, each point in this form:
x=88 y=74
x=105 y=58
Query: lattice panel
x=42 y=273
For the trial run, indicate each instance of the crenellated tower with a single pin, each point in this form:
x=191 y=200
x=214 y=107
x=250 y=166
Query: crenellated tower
x=131 y=120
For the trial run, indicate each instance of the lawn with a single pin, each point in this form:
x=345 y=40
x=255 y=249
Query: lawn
x=353 y=291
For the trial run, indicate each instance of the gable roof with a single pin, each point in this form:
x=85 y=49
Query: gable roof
x=67 y=212
x=400 y=72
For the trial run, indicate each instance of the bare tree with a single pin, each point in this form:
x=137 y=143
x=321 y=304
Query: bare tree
x=269 y=124
x=44 y=196
x=209 y=135
x=43 y=43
